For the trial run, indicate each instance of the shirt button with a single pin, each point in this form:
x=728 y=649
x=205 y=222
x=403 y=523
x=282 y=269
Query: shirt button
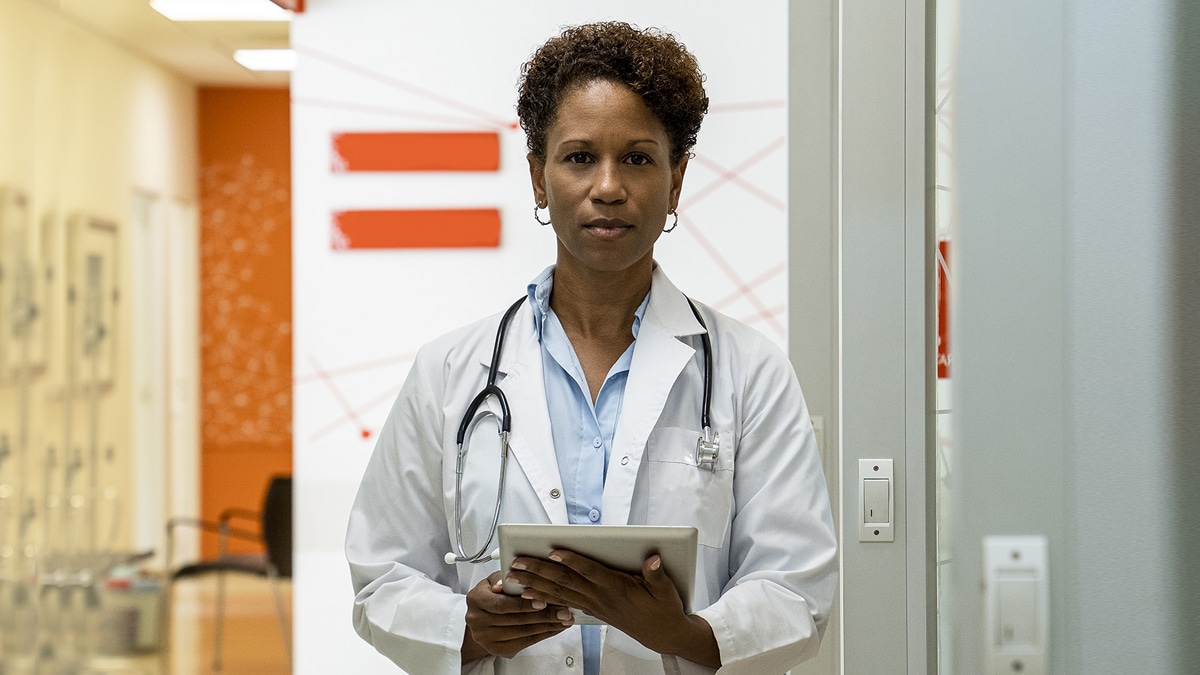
x=596 y=442
x=594 y=515
x=624 y=460
x=570 y=661
x=555 y=494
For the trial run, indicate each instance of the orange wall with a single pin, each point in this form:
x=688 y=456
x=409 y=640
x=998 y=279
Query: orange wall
x=246 y=296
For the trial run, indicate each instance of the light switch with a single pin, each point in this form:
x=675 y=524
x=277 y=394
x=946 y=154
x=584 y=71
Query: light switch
x=875 y=501
x=1016 y=605
x=1017 y=611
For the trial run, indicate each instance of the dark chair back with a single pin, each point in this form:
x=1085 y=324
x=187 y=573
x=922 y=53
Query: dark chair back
x=277 y=524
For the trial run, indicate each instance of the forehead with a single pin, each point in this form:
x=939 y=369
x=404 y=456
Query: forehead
x=602 y=110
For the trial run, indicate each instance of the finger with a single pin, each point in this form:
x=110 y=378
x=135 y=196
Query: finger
x=542 y=574
x=580 y=564
x=501 y=603
x=486 y=597
x=567 y=569
x=558 y=590
x=549 y=617
x=511 y=647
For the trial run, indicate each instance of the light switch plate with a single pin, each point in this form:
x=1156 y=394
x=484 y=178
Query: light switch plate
x=1016 y=605
x=877 y=519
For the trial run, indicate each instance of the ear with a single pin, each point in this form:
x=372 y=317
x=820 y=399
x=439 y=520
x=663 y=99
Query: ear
x=537 y=175
x=677 y=181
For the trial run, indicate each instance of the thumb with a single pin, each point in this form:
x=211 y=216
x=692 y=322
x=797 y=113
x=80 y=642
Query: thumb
x=496 y=583
x=654 y=573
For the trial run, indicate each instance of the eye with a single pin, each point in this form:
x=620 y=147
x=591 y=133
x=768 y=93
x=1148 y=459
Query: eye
x=578 y=158
x=639 y=159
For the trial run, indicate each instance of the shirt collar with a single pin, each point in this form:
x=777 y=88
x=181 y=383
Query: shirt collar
x=539 y=299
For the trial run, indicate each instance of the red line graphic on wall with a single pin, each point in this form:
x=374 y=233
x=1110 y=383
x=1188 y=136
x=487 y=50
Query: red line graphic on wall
x=416 y=228
x=416 y=151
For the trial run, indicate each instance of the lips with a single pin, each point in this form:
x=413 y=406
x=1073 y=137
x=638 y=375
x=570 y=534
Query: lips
x=608 y=227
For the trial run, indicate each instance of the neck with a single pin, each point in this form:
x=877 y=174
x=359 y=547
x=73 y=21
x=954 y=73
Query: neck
x=593 y=304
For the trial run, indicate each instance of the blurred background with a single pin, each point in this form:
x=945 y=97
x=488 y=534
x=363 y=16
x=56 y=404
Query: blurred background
x=227 y=225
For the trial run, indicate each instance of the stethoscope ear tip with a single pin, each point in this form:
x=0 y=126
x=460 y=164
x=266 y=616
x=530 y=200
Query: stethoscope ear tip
x=451 y=558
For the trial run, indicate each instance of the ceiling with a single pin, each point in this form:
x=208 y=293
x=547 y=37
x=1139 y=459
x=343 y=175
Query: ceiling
x=201 y=52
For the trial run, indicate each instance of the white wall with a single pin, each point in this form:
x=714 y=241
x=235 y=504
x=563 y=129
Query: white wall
x=360 y=315
x=84 y=124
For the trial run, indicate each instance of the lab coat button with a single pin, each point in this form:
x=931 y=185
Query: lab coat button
x=555 y=494
x=625 y=460
x=596 y=442
x=594 y=515
x=570 y=661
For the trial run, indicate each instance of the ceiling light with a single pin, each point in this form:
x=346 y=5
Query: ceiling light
x=220 y=10
x=266 y=59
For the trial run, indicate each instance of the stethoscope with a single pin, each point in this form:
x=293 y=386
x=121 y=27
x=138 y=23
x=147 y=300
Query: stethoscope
x=708 y=446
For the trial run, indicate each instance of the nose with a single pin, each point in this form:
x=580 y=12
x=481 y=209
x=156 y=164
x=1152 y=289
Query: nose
x=608 y=186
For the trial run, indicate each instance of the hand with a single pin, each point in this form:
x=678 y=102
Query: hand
x=503 y=625
x=645 y=606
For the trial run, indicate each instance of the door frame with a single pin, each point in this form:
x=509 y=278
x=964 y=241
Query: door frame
x=862 y=308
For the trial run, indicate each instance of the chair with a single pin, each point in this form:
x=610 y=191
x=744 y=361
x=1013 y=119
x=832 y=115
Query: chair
x=274 y=531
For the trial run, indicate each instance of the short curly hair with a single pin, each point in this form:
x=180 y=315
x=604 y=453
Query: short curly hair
x=652 y=63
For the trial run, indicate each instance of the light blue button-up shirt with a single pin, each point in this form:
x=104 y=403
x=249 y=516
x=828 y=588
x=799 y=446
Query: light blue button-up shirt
x=582 y=431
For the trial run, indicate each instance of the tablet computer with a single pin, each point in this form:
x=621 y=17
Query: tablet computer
x=622 y=547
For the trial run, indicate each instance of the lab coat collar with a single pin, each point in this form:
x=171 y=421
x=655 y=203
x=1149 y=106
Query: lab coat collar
x=658 y=359
x=669 y=308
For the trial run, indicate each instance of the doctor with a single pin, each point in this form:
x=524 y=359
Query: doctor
x=603 y=370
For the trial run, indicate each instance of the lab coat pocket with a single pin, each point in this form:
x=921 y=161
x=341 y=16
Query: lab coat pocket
x=683 y=493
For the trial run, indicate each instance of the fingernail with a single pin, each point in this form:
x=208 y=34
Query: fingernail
x=656 y=564
x=555 y=557
x=564 y=615
x=528 y=595
x=519 y=566
x=539 y=604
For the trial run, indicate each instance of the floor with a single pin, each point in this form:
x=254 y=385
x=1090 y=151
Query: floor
x=254 y=644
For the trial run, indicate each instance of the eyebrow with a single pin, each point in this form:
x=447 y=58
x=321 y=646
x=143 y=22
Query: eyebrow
x=632 y=143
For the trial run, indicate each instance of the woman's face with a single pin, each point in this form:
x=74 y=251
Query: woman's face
x=607 y=178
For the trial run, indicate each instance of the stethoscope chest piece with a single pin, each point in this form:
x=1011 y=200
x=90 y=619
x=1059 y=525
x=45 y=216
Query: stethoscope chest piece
x=708 y=447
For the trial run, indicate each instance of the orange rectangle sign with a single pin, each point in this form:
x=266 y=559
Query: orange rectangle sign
x=416 y=151
x=430 y=228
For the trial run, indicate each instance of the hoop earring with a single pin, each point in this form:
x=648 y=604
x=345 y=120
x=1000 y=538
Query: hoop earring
x=541 y=222
x=674 y=224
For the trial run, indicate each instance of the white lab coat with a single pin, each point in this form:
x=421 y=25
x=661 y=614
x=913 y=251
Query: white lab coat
x=766 y=566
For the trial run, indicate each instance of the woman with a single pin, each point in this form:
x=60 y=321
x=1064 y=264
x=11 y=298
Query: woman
x=603 y=368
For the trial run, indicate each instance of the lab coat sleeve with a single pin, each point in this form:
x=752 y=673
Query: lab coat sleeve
x=782 y=548
x=404 y=604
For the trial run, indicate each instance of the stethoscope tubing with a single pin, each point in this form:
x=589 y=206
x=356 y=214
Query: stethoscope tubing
x=704 y=422
x=504 y=424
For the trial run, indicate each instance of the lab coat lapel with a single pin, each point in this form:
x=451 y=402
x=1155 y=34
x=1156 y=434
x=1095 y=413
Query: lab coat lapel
x=658 y=359
x=530 y=441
